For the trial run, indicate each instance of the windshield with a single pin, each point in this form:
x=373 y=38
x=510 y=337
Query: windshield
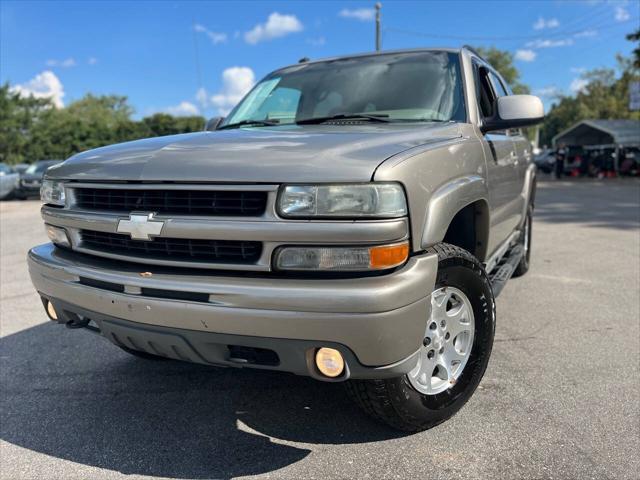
x=38 y=167
x=421 y=86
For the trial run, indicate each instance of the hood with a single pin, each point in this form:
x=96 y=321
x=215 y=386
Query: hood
x=326 y=153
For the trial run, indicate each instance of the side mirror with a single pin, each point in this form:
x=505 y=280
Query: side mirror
x=213 y=124
x=514 y=111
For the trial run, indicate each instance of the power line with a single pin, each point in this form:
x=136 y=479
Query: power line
x=196 y=54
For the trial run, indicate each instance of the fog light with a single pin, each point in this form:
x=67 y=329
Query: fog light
x=330 y=362
x=58 y=235
x=51 y=311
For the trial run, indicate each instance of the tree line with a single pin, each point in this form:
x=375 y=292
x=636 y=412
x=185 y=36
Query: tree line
x=604 y=94
x=33 y=129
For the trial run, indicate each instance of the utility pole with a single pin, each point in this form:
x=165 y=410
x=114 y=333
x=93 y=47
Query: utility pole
x=378 y=39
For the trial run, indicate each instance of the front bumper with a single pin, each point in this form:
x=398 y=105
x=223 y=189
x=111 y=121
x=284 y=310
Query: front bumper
x=377 y=323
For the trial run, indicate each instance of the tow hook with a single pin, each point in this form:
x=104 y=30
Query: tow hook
x=78 y=322
x=81 y=322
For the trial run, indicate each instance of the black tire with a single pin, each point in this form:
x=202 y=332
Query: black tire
x=395 y=401
x=139 y=354
x=525 y=241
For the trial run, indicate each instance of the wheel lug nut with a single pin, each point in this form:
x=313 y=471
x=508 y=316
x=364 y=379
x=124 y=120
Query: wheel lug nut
x=433 y=326
x=430 y=354
x=441 y=350
x=447 y=336
x=426 y=341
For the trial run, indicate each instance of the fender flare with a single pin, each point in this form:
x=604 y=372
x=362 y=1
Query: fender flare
x=447 y=201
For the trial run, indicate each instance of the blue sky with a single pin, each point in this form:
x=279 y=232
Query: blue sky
x=200 y=57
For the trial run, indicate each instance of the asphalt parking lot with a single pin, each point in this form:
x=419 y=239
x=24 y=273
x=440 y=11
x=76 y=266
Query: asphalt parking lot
x=561 y=397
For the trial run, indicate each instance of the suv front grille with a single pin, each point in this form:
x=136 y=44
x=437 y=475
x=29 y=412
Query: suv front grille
x=173 y=249
x=173 y=202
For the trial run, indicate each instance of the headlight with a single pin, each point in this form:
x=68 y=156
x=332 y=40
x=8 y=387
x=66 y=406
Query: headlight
x=342 y=258
x=378 y=200
x=52 y=192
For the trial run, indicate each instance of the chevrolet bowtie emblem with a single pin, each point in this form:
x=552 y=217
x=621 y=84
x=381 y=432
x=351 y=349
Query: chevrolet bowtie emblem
x=140 y=226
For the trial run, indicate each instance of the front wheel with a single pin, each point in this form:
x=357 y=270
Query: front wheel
x=454 y=355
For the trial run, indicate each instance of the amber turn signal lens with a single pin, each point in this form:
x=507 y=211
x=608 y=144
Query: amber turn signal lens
x=330 y=362
x=388 y=256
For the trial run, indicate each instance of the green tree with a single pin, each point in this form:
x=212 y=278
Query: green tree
x=18 y=117
x=635 y=37
x=502 y=61
x=164 y=124
x=33 y=129
x=605 y=96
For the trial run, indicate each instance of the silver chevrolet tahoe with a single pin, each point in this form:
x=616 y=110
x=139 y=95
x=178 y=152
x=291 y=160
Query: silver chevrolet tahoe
x=352 y=219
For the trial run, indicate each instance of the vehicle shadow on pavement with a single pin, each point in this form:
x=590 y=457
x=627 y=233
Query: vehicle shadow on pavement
x=74 y=396
x=605 y=204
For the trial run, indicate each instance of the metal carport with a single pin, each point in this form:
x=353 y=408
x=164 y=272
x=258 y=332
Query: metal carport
x=601 y=133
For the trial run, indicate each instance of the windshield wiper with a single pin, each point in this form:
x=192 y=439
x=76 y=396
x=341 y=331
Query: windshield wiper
x=374 y=117
x=263 y=123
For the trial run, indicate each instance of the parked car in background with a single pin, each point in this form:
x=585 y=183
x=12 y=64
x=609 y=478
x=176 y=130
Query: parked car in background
x=545 y=161
x=31 y=179
x=21 y=167
x=8 y=181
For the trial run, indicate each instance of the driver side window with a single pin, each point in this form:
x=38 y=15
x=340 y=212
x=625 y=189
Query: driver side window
x=488 y=92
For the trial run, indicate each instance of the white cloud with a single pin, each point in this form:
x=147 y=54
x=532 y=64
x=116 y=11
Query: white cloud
x=578 y=85
x=526 y=55
x=362 y=14
x=183 y=109
x=215 y=37
x=43 y=85
x=277 y=25
x=317 y=42
x=621 y=14
x=236 y=82
x=67 y=62
x=549 y=43
x=549 y=92
x=586 y=33
x=202 y=97
x=92 y=60
x=542 y=23
x=577 y=69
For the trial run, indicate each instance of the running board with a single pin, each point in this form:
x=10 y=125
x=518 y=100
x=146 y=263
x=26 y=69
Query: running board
x=501 y=274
